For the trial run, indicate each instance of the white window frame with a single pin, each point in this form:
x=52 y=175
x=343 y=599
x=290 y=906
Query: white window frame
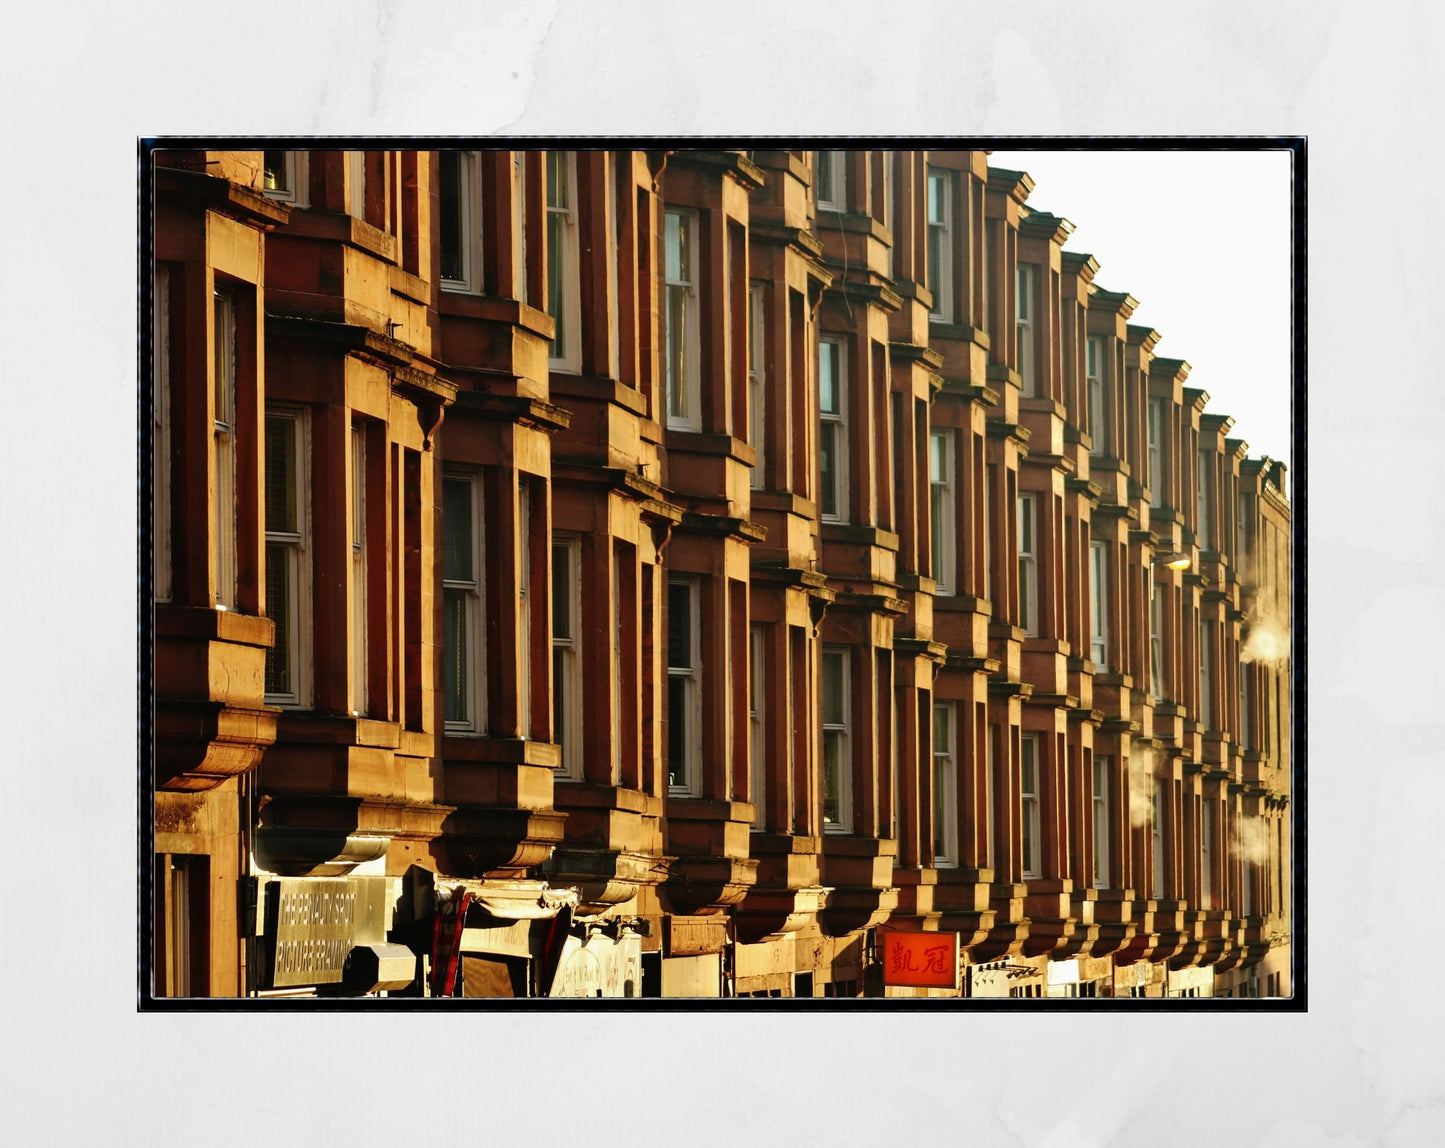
x=943 y=509
x=690 y=678
x=945 y=785
x=680 y=245
x=357 y=538
x=469 y=220
x=837 y=733
x=1099 y=605
x=835 y=163
x=161 y=433
x=1157 y=833
x=757 y=722
x=470 y=594
x=939 y=210
x=1025 y=307
x=835 y=423
x=567 y=654
x=1094 y=376
x=564 y=300
x=1102 y=765
x=1028 y=516
x=294 y=167
x=1157 y=420
x=356 y=196
x=224 y=445
x=757 y=379
x=292 y=546
x=1030 y=838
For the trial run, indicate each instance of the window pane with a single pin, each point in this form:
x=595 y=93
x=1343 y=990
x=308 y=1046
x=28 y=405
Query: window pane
x=558 y=192
x=457 y=530
x=828 y=468
x=828 y=378
x=833 y=689
x=677 y=352
x=453 y=266
x=280 y=474
x=454 y=656
x=561 y=593
x=832 y=775
x=278 y=609
x=275 y=171
x=679 y=625
x=676 y=253
x=676 y=730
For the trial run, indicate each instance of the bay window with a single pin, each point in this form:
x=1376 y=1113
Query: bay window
x=943 y=515
x=567 y=655
x=833 y=431
x=1024 y=327
x=1101 y=822
x=460 y=223
x=223 y=447
x=680 y=355
x=837 y=764
x=564 y=299
x=945 y=787
x=462 y=628
x=287 y=590
x=684 y=686
x=1098 y=605
x=1032 y=844
x=940 y=245
x=1094 y=377
x=1028 y=566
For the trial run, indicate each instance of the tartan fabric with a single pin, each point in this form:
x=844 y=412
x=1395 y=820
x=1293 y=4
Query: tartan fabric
x=446 y=940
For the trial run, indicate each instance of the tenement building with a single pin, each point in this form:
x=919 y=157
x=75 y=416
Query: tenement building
x=693 y=573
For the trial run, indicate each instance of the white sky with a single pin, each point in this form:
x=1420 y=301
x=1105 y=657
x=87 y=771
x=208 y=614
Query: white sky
x=1202 y=240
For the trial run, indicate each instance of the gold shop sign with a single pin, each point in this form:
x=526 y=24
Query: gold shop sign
x=311 y=924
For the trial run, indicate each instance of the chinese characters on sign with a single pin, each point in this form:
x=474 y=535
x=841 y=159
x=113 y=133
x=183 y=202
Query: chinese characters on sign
x=920 y=960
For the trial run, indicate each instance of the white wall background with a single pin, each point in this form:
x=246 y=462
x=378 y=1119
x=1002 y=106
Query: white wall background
x=1360 y=79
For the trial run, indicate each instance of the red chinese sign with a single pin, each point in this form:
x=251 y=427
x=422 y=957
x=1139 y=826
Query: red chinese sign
x=921 y=960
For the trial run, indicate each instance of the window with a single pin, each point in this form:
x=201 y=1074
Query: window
x=1156 y=640
x=757 y=726
x=945 y=788
x=161 y=434
x=832 y=179
x=1158 y=420
x=837 y=772
x=1024 y=327
x=757 y=377
x=888 y=220
x=833 y=433
x=1093 y=373
x=942 y=512
x=284 y=176
x=1157 y=832
x=991 y=840
x=224 y=447
x=1206 y=676
x=680 y=365
x=1029 y=798
x=462 y=533
x=563 y=291
x=940 y=245
x=286 y=553
x=567 y=655
x=684 y=687
x=1206 y=853
x=358 y=571
x=1244 y=532
x=1028 y=566
x=1098 y=605
x=1206 y=535
x=460 y=194
x=1101 y=822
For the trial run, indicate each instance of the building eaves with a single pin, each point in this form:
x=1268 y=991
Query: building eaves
x=1118 y=301
x=1082 y=264
x=1175 y=369
x=1044 y=225
x=1017 y=184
